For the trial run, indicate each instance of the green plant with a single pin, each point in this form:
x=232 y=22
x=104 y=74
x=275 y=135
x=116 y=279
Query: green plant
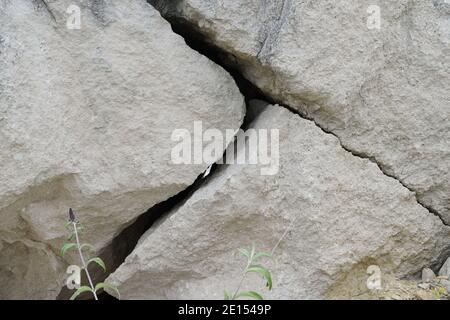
x=252 y=266
x=439 y=292
x=75 y=227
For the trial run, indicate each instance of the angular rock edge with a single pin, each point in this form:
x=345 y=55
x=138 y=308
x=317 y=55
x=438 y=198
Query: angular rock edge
x=221 y=59
x=169 y=11
x=139 y=258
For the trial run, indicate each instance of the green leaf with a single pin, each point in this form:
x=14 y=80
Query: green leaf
x=227 y=295
x=244 y=252
x=98 y=261
x=80 y=291
x=71 y=236
x=66 y=247
x=262 y=254
x=69 y=224
x=252 y=253
x=103 y=285
x=250 y=294
x=263 y=272
x=87 y=246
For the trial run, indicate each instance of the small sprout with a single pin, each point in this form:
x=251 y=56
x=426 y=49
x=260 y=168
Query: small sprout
x=439 y=292
x=66 y=247
x=98 y=261
x=265 y=274
x=80 y=290
x=74 y=228
x=103 y=285
x=250 y=294
x=252 y=267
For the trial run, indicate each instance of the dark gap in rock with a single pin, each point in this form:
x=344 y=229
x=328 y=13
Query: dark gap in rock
x=197 y=41
x=44 y=4
x=123 y=244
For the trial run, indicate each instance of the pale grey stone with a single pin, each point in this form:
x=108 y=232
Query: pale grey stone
x=428 y=275
x=384 y=92
x=339 y=213
x=445 y=269
x=445 y=283
x=86 y=118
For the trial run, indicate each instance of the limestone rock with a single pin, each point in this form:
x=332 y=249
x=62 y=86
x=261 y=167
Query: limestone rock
x=445 y=269
x=428 y=275
x=339 y=213
x=86 y=117
x=383 y=91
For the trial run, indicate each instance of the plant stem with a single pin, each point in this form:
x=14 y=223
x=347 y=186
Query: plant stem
x=83 y=262
x=249 y=261
x=282 y=237
x=271 y=253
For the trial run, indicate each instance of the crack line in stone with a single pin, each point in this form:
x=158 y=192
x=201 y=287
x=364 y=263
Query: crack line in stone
x=362 y=156
x=197 y=41
x=47 y=8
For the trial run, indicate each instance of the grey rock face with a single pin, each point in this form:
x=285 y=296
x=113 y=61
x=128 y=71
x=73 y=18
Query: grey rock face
x=428 y=275
x=445 y=269
x=86 y=117
x=384 y=92
x=339 y=214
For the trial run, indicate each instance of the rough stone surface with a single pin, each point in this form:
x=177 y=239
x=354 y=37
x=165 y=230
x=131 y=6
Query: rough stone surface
x=445 y=284
x=428 y=275
x=445 y=269
x=86 y=118
x=384 y=92
x=340 y=212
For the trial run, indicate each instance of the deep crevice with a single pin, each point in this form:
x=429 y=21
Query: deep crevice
x=370 y=158
x=198 y=42
x=43 y=3
x=123 y=244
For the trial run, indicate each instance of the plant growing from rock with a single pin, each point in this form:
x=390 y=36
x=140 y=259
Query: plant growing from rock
x=75 y=227
x=252 y=266
x=439 y=292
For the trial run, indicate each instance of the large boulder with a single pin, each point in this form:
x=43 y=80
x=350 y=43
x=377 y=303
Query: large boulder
x=86 y=117
x=383 y=91
x=338 y=214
